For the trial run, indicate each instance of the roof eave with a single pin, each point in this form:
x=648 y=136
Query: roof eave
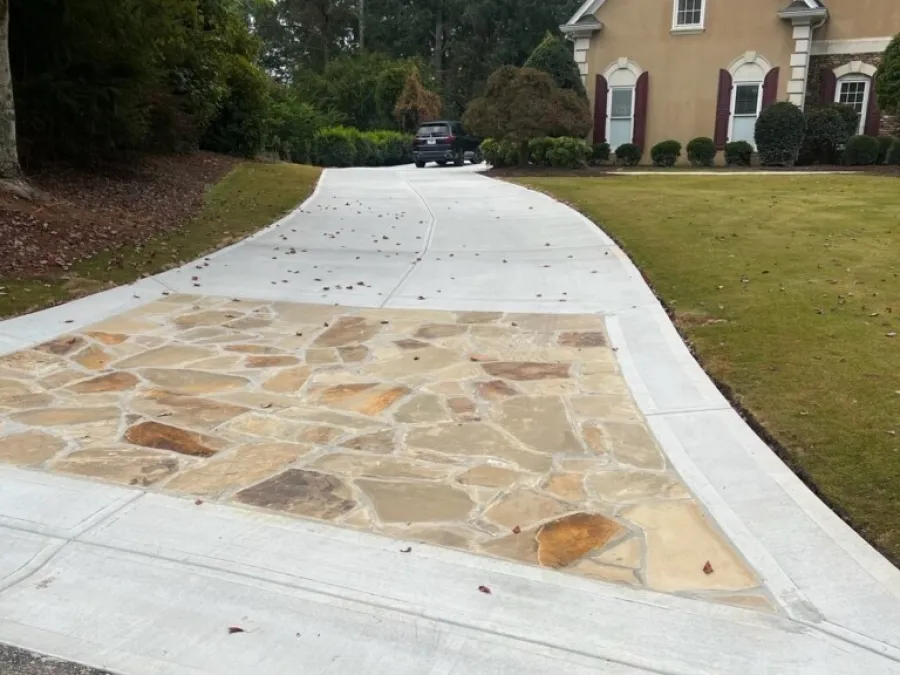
x=804 y=14
x=583 y=30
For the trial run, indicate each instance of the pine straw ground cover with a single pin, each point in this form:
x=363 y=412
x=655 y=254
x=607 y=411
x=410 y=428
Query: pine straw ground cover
x=788 y=289
x=97 y=229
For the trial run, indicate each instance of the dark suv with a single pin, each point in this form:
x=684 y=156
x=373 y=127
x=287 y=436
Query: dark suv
x=445 y=142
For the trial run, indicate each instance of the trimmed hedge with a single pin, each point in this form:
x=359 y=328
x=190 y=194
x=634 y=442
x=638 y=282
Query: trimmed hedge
x=826 y=133
x=861 y=151
x=600 y=153
x=884 y=146
x=701 y=151
x=738 y=153
x=893 y=155
x=561 y=153
x=499 y=153
x=629 y=154
x=779 y=134
x=665 y=153
x=345 y=146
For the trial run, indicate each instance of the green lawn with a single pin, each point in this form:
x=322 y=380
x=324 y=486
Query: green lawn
x=789 y=289
x=250 y=197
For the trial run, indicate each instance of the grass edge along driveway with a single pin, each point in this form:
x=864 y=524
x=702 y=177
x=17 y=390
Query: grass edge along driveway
x=788 y=290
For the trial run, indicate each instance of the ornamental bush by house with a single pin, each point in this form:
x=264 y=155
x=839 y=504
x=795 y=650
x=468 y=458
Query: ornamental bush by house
x=861 y=151
x=848 y=114
x=538 y=149
x=554 y=56
x=568 y=153
x=499 y=154
x=629 y=154
x=335 y=146
x=887 y=80
x=738 y=153
x=779 y=134
x=665 y=153
x=826 y=134
x=701 y=151
x=884 y=146
x=600 y=153
x=893 y=154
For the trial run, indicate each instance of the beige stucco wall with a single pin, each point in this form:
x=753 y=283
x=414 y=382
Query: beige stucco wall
x=684 y=69
x=856 y=19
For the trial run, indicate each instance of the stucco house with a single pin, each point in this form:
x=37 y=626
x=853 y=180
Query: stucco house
x=660 y=69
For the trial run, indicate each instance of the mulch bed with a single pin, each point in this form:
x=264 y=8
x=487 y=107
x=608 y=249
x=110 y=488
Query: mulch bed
x=84 y=212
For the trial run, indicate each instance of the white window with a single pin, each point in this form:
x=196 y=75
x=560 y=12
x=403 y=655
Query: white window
x=689 y=14
x=746 y=99
x=853 y=90
x=621 y=116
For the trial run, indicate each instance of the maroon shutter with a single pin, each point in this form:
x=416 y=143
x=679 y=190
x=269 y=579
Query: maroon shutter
x=827 y=86
x=641 y=99
x=601 y=92
x=873 y=114
x=770 y=88
x=723 y=109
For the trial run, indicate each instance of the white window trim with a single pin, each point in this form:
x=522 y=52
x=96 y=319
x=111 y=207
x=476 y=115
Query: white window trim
x=759 y=97
x=689 y=28
x=867 y=81
x=609 y=116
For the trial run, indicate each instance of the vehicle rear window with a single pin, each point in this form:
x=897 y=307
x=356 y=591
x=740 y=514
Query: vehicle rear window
x=433 y=130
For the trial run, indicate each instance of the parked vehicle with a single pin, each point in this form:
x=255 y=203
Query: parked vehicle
x=443 y=142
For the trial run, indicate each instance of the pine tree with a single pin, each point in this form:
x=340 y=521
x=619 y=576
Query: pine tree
x=554 y=56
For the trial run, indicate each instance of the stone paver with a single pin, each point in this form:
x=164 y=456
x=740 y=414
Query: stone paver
x=508 y=435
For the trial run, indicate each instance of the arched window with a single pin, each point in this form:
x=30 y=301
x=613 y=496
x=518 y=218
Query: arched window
x=854 y=88
x=748 y=75
x=621 y=77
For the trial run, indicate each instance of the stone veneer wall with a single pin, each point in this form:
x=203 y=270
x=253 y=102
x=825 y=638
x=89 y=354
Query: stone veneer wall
x=890 y=124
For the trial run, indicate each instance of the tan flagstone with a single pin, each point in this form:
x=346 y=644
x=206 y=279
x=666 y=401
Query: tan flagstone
x=367 y=399
x=605 y=382
x=26 y=401
x=749 y=601
x=29 y=448
x=107 y=338
x=625 y=554
x=117 y=381
x=317 y=356
x=633 y=445
x=524 y=370
x=567 y=486
x=413 y=363
x=129 y=465
x=606 y=407
x=167 y=437
x=49 y=417
x=550 y=387
x=408 y=344
x=245 y=465
x=594 y=570
x=353 y=354
x=422 y=408
x=189 y=411
x=450 y=536
x=271 y=361
x=252 y=349
x=475 y=438
x=205 y=318
x=60 y=378
x=436 y=330
x=162 y=357
x=374 y=466
x=230 y=362
x=630 y=486
x=186 y=381
x=679 y=544
x=551 y=323
x=347 y=330
x=32 y=362
x=524 y=508
x=596 y=438
x=489 y=475
x=562 y=542
x=280 y=429
x=477 y=317
x=121 y=324
x=582 y=340
x=397 y=502
x=343 y=420
x=93 y=358
x=62 y=345
x=520 y=546
x=582 y=464
x=301 y=492
x=379 y=442
x=462 y=406
x=538 y=422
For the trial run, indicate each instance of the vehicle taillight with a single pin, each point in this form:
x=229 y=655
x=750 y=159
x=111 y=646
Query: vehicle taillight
x=451 y=139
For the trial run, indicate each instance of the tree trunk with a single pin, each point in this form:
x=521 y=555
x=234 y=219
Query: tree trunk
x=11 y=174
x=439 y=45
x=523 y=153
x=362 y=25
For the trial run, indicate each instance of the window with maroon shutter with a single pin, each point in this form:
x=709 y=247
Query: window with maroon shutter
x=601 y=94
x=827 y=86
x=723 y=109
x=770 y=88
x=641 y=101
x=873 y=113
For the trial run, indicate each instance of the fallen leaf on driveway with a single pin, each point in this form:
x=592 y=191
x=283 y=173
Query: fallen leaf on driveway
x=708 y=568
x=235 y=629
x=406 y=550
x=517 y=529
x=485 y=590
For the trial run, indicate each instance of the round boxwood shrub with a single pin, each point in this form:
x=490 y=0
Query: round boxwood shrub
x=738 y=153
x=600 y=153
x=665 y=153
x=884 y=146
x=848 y=114
x=779 y=134
x=826 y=133
x=499 y=154
x=568 y=153
x=335 y=146
x=538 y=149
x=861 y=151
x=629 y=154
x=701 y=151
x=893 y=155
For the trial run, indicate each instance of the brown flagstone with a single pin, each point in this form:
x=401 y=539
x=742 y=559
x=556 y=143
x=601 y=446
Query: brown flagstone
x=301 y=492
x=478 y=317
x=366 y=398
x=381 y=442
x=61 y=345
x=434 y=331
x=107 y=338
x=588 y=339
x=93 y=358
x=410 y=344
x=117 y=381
x=564 y=541
x=495 y=390
x=511 y=370
x=165 y=437
x=596 y=438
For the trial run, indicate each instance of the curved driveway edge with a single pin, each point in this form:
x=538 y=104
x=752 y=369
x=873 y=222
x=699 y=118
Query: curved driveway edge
x=458 y=240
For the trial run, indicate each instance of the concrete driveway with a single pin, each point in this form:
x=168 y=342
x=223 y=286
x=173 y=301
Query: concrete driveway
x=502 y=456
